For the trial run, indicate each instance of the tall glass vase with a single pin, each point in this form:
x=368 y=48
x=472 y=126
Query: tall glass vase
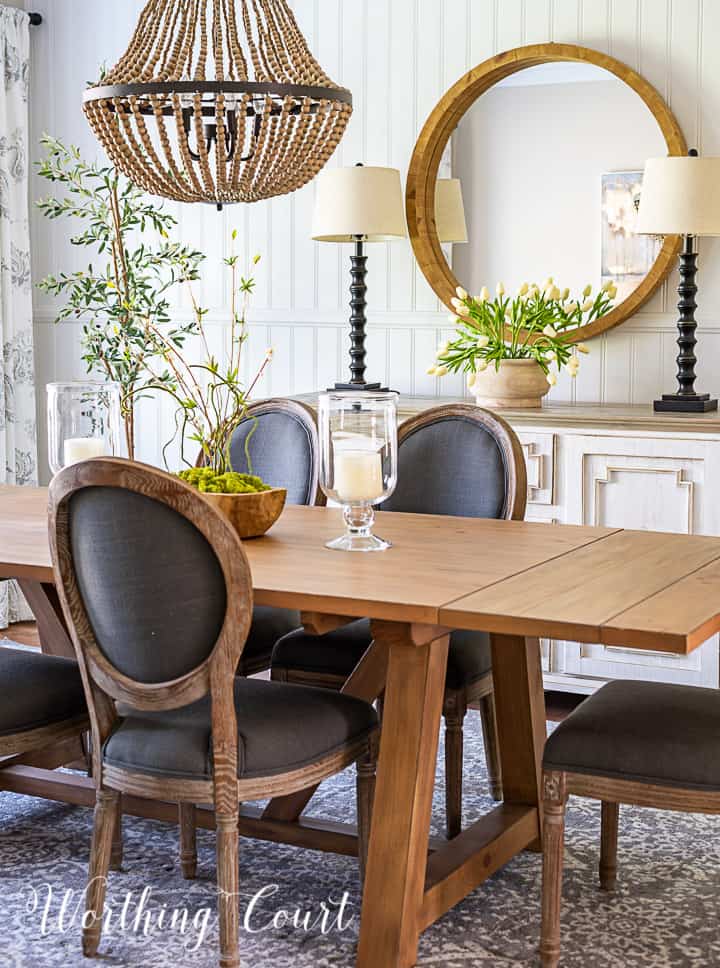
x=83 y=421
x=358 y=461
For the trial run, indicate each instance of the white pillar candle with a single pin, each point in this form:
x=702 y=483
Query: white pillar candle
x=358 y=475
x=82 y=448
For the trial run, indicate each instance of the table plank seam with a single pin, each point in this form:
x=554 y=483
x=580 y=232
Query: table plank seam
x=658 y=591
x=523 y=571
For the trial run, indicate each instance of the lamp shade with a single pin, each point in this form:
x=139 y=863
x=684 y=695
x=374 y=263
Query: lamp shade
x=361 y=201
x=680 y=196
x=450 y=211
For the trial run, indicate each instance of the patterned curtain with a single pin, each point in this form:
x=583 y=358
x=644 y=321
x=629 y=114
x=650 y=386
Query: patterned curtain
x=18 y=455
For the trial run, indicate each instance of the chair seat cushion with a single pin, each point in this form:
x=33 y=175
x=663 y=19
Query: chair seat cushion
x=268 y=625
x=38 y=690
x=647 y=732
x=280 y=728
x=338 y=652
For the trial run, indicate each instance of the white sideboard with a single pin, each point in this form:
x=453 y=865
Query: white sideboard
x=623 y=467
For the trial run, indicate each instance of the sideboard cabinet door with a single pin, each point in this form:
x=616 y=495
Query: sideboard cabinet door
x=658 y=483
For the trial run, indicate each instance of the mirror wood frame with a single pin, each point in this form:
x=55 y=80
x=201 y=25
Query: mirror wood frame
x=425 y=163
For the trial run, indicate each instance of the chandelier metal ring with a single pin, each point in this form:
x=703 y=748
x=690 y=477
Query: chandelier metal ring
x=111 y=92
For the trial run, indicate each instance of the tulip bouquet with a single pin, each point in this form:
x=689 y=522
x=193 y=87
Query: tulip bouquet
x=537 y=323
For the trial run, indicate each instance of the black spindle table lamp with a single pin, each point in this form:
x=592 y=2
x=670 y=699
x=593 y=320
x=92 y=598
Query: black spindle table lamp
x=360 y=204
x=681 y=196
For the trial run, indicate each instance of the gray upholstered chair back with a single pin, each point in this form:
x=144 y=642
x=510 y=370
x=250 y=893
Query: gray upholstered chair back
x=283 y=448
x=150 y=583
x=459 y=460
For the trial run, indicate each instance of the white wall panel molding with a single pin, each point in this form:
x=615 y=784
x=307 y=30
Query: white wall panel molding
x=397 y=57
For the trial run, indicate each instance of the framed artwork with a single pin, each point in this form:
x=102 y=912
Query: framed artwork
x=626 y=257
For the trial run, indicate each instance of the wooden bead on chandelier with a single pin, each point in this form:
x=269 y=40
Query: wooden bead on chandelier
x=263 y=123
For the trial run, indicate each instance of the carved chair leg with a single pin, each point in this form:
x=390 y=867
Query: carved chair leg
x=608 y=845
x=86 y=743
x=227 y=849
x=554 y=800
x=188 y=841
x=454 y=713
x=107 y=807
x=366 y=768
x=490 y=741
x=116 y=851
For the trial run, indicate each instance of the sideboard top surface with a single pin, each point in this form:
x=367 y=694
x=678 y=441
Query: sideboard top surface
x=587 y=415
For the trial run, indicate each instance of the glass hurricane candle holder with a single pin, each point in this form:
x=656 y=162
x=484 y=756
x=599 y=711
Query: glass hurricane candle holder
x=83 y=421
x=358 y=461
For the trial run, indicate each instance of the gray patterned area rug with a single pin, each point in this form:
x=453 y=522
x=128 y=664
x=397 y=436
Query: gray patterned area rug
x=300 y=907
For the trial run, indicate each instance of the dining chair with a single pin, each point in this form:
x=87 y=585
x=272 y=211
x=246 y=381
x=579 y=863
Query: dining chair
x=457 y=460
x=648 y=744
x=157 y=594
x=44 y=705
x=281 y=438
x=43 y=701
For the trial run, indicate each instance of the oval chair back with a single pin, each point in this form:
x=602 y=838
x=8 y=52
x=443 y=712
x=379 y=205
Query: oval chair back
x=460 y=460
x=281 y=437
x=143 y=564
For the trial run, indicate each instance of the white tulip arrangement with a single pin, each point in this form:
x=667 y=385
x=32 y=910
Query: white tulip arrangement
x=538 y=323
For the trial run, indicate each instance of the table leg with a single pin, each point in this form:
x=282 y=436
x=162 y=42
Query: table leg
x=520 y=711
x=488 y=844
x=395 y=879
x=45 y=606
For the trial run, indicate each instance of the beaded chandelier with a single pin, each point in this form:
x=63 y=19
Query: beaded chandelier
x=218 y=101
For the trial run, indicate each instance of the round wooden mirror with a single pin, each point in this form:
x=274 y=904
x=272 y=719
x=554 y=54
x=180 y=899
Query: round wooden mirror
x=549 y=186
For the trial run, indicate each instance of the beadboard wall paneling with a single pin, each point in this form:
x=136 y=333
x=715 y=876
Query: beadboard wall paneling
x=397 y=56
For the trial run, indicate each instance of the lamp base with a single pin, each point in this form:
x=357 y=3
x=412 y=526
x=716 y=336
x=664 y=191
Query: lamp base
x=686 y=400
x=373 y=387
x=678 y=403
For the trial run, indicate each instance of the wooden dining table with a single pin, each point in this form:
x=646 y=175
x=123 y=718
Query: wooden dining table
x=516 y=580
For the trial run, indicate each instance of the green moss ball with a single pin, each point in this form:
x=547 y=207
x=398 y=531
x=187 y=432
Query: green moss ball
x=208 y=481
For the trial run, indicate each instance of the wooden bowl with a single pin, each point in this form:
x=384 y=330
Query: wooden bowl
x=250 y=514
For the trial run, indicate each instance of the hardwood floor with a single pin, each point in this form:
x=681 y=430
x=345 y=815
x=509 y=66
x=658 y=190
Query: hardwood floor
x=25 y=633
x=558 y=705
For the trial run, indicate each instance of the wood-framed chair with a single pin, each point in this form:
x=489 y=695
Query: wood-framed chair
x=43 y=712
x=43 y=702
x=281 y=436
x=157 y=593
x=644 y=743
x=459 y=460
